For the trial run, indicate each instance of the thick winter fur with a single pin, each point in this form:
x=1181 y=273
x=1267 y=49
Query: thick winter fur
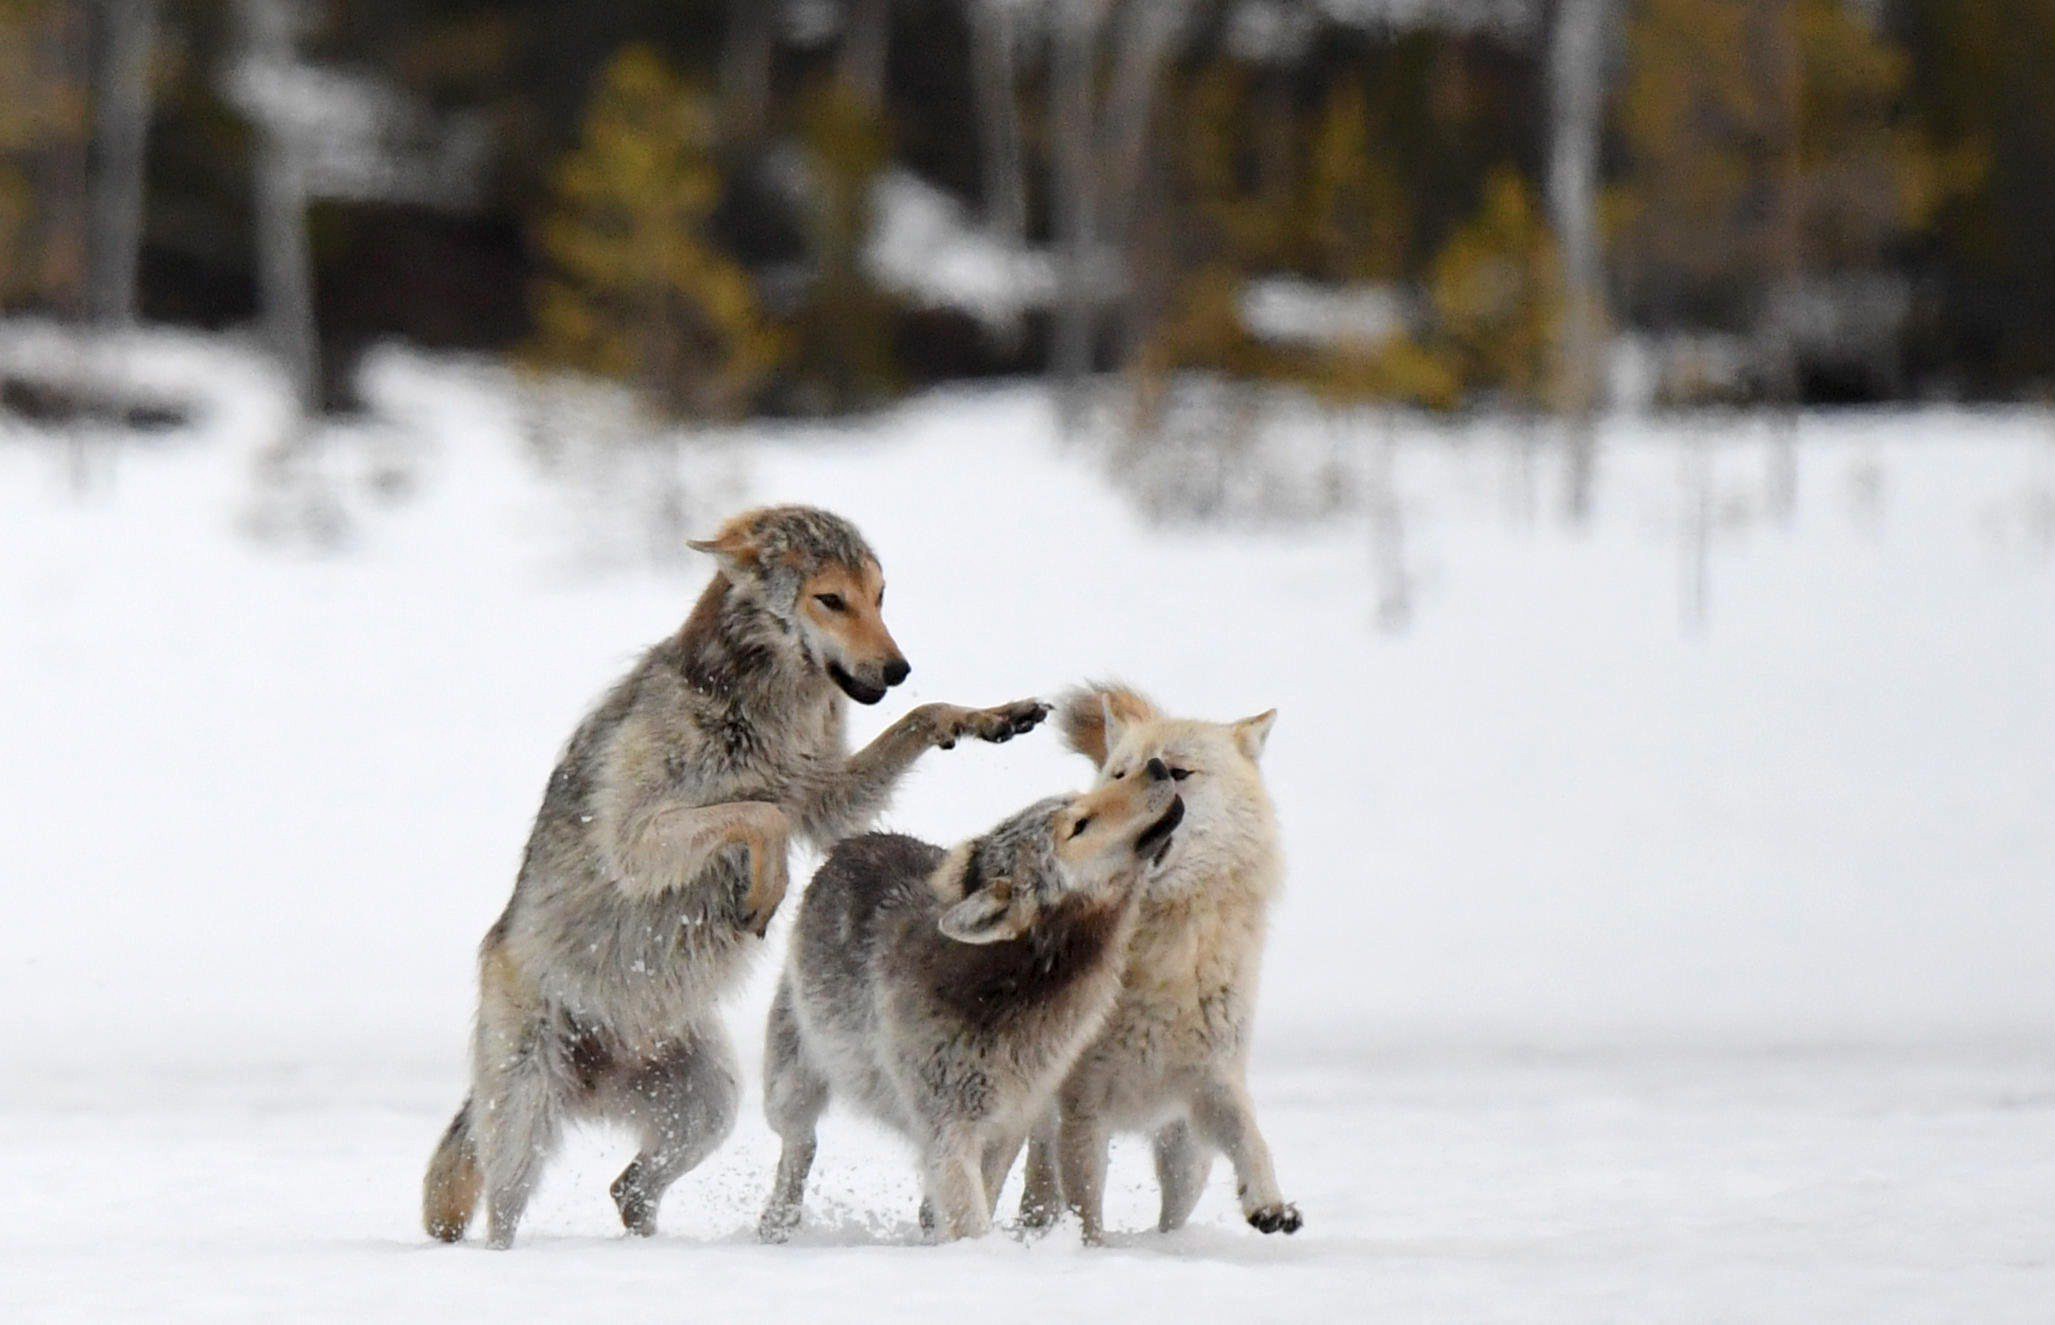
x=659 y=856
x=947 y=993
x=1172 y=1057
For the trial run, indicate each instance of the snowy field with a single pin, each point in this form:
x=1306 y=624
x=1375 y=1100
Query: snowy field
x=1628 y=971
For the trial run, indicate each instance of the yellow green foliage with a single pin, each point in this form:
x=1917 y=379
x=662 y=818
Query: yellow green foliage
x=1762 y=138
x=42 y=138
x=635 y=289
x=1496 y=289
x=1357 y=206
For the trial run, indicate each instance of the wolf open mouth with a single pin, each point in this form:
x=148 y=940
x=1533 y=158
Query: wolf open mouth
x=855 y=689
x=1156 y=837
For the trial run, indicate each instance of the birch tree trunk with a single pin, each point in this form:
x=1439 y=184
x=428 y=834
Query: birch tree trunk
x=1576 y=96
x=285 y=271
x=1779 y=31
x=1073 y=66
x=123 y=127
x=994 y=45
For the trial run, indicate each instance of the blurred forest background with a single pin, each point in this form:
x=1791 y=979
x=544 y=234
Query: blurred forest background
x=808 y=207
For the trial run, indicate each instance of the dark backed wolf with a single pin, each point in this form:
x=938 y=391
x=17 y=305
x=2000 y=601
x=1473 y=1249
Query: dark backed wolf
x=946 y=993
x=659 y=856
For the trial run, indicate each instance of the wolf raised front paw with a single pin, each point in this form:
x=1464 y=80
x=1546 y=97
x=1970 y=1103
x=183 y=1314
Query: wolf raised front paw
x=1280 y=1218
x=1000 y=723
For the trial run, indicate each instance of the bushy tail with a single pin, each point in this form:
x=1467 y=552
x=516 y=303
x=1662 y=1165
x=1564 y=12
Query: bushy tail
x=450 y=1191
x=1081 y=714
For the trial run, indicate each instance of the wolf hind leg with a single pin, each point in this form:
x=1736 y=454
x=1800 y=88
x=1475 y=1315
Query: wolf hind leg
x=515 y=1128
x=683 y=1102
x=454 y=1181
x=1181 y=1168
x=794 y=1096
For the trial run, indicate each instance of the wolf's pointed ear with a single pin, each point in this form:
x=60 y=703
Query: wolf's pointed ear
x=1091 y=717
x=986 y=916
x=734 y=547
x=1252 y=734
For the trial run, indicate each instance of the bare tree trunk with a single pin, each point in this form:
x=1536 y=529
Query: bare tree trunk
x=994 y=51
x=1781 y=32
x=67 y=46
x=123 y=127
x=746 y=68
x=1145 y=39
x=285 y=270
x=1387 y=531
x=1696 y=527
x=1781 y=481
x=866 y=42
x=1576 y=87
x=1073 y=65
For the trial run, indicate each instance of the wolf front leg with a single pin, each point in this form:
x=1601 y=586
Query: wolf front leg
x=952 y=1167
x=844 y=799
x=1224 y=1116
x=1081 y=1149
x=1041 y=1192
x=666 y=846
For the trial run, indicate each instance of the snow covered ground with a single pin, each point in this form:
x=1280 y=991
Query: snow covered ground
x=1627 y=972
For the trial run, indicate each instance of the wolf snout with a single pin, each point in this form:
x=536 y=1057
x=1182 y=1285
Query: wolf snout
x=1154 y=843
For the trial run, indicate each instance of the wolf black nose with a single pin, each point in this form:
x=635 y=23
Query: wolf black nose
x=1159 y=771
x=897 y=670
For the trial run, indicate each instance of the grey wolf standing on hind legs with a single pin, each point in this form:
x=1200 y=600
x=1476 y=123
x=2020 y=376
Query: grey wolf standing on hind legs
x=1173 y=1056
x=659 y=856
x=946 y=993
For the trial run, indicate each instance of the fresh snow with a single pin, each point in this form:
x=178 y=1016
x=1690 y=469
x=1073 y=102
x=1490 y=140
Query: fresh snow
x=1626 y=971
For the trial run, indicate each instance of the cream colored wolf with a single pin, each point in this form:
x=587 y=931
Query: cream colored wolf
x=659 y=855
x=1172 y=1058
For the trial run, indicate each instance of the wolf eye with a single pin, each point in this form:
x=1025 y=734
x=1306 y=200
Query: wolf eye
x=881 y=595
x=1121 y=774
x=832 y=601
x=1081 y=825
x=1180 y=774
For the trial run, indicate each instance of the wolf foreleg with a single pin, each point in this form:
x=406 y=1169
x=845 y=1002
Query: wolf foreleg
x=669 y=846
x=1226 y=1118
x=1041 y=1194
x=847 y=798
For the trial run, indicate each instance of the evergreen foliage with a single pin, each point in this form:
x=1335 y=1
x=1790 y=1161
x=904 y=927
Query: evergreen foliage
x=636 y=288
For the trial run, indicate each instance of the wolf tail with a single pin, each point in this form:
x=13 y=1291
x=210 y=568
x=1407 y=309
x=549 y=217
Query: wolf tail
x=450 y=1191
x=1081 y=714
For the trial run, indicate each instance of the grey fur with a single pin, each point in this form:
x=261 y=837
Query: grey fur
x=654 y=866
x=946 y=994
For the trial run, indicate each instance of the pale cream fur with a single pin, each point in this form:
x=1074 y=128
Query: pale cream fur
x=1173 y=1056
